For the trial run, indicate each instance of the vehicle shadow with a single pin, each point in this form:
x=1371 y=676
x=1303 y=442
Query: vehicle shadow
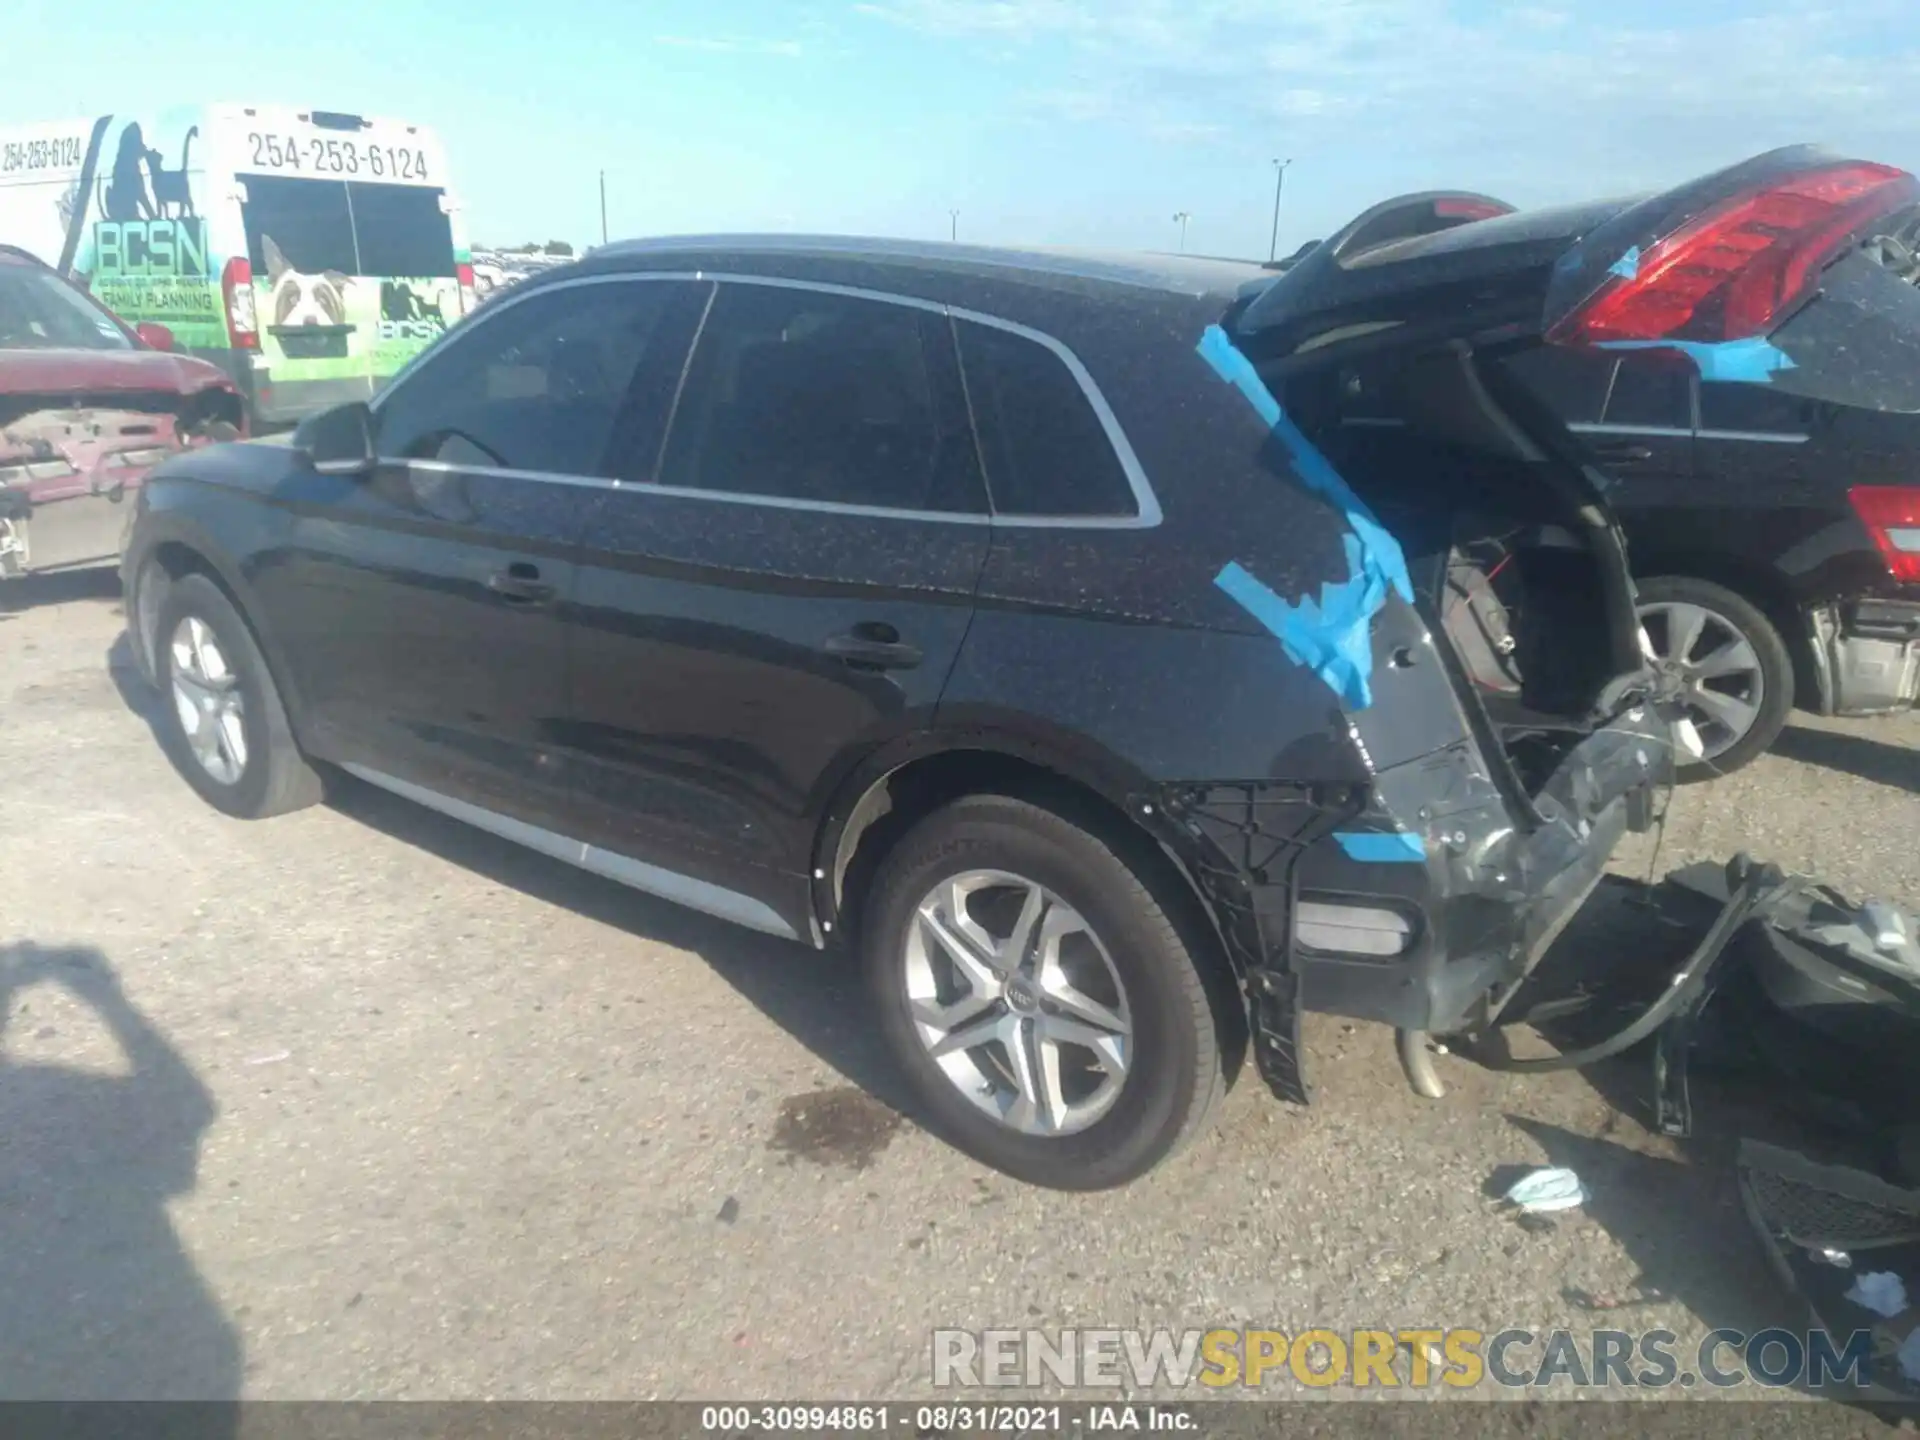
x=815 y=996
x=29 y=592
x=1875 y=760
x=135 y=693
x=103 y=1301
x=1672 y=1205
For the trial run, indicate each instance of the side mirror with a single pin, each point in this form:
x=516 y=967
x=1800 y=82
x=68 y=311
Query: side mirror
x=155 y=337
x=337 y=441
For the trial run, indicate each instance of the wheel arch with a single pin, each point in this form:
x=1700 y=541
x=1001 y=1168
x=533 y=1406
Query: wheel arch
x=176 y=551
x=896 y=787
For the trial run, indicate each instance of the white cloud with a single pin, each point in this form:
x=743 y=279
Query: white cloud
x=1546 y=87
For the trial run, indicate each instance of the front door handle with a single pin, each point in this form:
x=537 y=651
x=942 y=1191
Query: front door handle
x=520 y=584
x=1622 y=454
x=873 y=646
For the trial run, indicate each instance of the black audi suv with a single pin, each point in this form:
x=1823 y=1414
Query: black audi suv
x=988 y=612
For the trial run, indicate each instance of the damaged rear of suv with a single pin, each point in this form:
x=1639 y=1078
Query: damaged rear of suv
x=87 y=407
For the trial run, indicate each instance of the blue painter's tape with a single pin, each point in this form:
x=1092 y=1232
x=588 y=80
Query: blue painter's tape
x=1751 y=360
x=1382 y=848
x=1332 y=635
x=1627 y=267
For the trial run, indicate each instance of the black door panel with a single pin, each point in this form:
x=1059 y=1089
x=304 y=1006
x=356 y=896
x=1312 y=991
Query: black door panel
x=427 y=603
x=410 y=659
x=792 y=594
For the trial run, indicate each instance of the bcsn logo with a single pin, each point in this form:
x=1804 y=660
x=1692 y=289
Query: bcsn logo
x=420 y=330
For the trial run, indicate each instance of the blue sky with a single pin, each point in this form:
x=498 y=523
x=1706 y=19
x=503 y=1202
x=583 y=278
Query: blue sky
x=1084 y=122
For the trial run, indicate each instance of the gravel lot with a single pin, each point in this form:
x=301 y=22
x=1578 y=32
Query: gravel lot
x=383 y=1107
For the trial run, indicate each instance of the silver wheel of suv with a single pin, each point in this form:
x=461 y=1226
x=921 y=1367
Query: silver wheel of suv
x=1713 y=667
x=1018 y=1002
x=206 y=693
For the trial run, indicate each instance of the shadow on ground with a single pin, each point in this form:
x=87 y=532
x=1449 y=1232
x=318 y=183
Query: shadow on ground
x=815 y=996
x=29 y=592
x=1853 y=754
x=102 y=1303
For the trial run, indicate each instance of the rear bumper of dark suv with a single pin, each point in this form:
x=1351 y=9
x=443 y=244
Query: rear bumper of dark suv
x=1423 y=900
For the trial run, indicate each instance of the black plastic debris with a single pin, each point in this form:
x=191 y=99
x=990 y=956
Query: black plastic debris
x=1825 y=1228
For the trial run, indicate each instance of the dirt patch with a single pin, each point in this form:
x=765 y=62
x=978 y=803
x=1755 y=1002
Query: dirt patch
x=843 y=1126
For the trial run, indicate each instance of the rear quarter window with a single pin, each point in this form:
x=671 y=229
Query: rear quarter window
x=1045 y=450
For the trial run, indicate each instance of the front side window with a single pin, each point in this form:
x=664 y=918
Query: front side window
x=805 y=395
x=534 y=386
x=40 y=311
x=1571 y=383
x=1045 y=450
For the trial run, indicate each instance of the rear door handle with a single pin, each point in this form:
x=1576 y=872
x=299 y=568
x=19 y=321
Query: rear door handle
x=873 y=646
x=520 y=584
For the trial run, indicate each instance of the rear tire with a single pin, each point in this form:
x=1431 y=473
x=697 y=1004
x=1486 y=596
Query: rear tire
x=221 y=719
x=1159 y=1083
x=1765 y=687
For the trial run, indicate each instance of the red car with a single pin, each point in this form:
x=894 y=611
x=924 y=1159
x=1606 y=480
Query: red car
x=88 y=406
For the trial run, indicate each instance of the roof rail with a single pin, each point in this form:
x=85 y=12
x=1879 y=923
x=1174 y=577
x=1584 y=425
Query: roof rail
x=1426 y=212
x=21 y=253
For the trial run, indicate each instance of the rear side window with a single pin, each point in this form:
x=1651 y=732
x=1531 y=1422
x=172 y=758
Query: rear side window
x=534 y=386
x=806 y=395
x=1045 y=450
x=1652 y=391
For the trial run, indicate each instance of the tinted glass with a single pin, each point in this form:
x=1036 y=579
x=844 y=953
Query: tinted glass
x=40 y=311
x=1652 y=390
x=1572 y=383
x=534 y=386
x=400 y=230
x=1752 y=409
x=803 y=395
x=1045 y=450
x=307 y=220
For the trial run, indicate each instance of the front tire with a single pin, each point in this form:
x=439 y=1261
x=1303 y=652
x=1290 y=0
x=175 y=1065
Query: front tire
x=222 y=721
x=1038 y=996
x=1733 y=668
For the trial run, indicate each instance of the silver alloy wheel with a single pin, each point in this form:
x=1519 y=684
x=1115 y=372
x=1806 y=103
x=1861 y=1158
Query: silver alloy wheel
x=206 y=693
x=1018 y=1002
x=1713 y=667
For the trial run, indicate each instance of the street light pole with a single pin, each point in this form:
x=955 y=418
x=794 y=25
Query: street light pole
x=953 y=229
x=1279 y=183
x=1180 y=218
x=603 y=207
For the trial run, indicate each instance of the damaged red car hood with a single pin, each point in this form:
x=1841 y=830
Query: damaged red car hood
x=104 y=372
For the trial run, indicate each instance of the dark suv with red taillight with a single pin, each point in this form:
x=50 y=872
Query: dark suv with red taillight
x=1755 y=425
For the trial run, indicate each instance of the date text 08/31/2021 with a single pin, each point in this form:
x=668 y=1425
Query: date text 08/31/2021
x=942 y=1419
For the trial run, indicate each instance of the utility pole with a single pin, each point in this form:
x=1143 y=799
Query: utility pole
x=603 y=207
x=1279 y=183
x=1180 y=218
x=953 y=226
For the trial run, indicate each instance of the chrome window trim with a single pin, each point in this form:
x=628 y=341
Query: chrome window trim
x=1758 y=437
x=701 y=895
x=1149 y=512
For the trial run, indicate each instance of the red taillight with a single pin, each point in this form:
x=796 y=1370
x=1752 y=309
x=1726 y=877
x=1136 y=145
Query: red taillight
x=1469 y=209
x=464 y=273
x=1732 y=270
x=1892 y=514
x=236 y=291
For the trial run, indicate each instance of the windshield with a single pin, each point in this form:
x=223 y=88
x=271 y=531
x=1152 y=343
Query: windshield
x=348 y=227
x=39 y=311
